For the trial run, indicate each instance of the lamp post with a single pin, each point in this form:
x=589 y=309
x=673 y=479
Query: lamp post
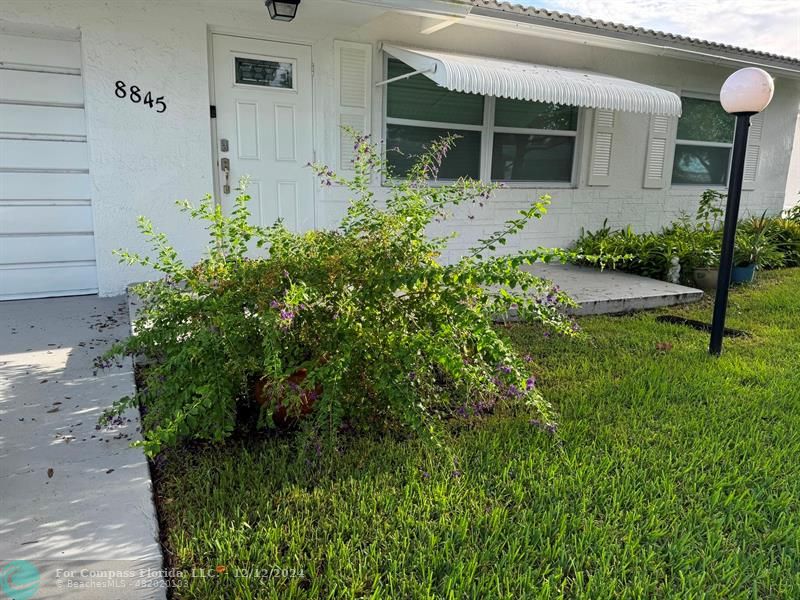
x=745 y=93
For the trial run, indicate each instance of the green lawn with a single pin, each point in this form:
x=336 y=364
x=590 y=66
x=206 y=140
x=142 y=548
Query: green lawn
x=673 y=474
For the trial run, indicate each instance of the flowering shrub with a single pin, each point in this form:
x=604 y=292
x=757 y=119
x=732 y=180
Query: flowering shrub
x=359 y=326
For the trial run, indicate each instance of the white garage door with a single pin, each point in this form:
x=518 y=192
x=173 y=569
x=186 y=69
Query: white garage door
x=46 y=229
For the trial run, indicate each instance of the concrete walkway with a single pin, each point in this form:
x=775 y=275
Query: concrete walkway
x=606 y=292
x=74 y=499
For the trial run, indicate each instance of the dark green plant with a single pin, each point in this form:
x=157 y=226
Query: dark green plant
x=650 y=254
x=385 y=335
x=755 y=244
x=769 y=242
x=785 y=233
x=793 y=214
x=710 y=211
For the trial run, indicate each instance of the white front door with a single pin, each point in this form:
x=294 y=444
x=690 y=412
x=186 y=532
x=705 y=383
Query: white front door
x=264 y=127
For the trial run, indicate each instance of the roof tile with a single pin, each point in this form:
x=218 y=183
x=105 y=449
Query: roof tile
x=558 y=17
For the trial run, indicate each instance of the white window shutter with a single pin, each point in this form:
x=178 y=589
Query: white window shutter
x=655 y=165
x=353 y=67
x=753 y=151
x=602 y=144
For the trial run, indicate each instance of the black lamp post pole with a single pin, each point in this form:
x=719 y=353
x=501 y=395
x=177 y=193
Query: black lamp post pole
x=729 y=231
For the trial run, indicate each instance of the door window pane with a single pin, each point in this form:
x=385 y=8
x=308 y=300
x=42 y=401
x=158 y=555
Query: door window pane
x=522 y=157
x=463 y=160
x=535 y=115
x=701 y=165
x=420 y=99
x=705 y=121
x=266 y=73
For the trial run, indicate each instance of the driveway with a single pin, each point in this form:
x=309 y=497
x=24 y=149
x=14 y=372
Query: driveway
x=76 y=510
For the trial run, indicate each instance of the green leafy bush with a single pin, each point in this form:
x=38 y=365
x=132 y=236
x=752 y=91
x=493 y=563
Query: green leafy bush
x=756 y=243
x=361 y=325
x=793 y=214
x=769 y=242
x=786 y=235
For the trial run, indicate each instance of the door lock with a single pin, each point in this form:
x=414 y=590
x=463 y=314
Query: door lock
x=223 y=145
x=225 y=165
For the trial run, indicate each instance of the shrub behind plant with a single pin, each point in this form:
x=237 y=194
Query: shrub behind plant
x=768 y=242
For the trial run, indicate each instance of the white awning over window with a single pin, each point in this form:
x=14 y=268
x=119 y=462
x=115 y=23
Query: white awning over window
x=538 y=83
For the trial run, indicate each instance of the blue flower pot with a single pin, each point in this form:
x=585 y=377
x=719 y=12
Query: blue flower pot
x=743 y=274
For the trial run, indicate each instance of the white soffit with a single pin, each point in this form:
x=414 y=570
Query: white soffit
x=538 y=83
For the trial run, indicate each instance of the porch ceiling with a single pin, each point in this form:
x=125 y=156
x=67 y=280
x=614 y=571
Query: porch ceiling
x=539 y=83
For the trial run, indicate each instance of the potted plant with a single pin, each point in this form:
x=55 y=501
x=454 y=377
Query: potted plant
x=706 y=270
x=751 y=252
x=744 y=258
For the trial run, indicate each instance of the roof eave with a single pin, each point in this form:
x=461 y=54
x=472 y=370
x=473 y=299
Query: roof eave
x=678 y=48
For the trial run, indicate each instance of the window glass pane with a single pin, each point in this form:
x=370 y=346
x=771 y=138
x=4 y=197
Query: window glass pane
x=267 y=73
x=705 y=121
x=421 y=99
x=535 y=115
x=701 y=165
x=520 y=157
x=463 y=160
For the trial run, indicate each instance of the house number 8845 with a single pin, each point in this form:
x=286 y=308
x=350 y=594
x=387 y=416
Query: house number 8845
x=135 y=94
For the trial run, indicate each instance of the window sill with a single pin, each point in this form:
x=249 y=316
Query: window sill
x=504 y=185
x=537 y=185
x=691 y=187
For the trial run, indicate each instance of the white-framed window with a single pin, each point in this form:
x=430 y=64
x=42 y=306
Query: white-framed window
x=259 y=71
x=703 y=143
x=511 y=141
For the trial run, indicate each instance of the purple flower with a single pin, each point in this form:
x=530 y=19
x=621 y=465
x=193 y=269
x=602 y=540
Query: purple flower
x=549 y=428
x=504 y=369
x=287 y=315
x=455 y=474
x=530 y=383
x=513 y=391
x=275 y=304
x=528 y=358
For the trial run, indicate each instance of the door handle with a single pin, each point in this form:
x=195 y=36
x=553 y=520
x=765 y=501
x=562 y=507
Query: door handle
x=225 y=165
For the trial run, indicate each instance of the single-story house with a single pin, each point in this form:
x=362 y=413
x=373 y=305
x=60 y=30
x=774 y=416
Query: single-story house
x=112 y=109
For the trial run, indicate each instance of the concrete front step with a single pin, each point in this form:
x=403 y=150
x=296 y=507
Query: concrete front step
x=609 y=292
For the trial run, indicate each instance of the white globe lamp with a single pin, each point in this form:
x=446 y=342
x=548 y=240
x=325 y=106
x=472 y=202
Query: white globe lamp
x=747 y=91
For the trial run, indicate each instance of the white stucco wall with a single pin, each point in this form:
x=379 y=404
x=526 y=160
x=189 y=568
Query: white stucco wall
x=793 y=178
x=625 y=201
x=140 y=160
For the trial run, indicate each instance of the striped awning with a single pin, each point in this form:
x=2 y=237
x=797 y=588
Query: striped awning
x=538 y=83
